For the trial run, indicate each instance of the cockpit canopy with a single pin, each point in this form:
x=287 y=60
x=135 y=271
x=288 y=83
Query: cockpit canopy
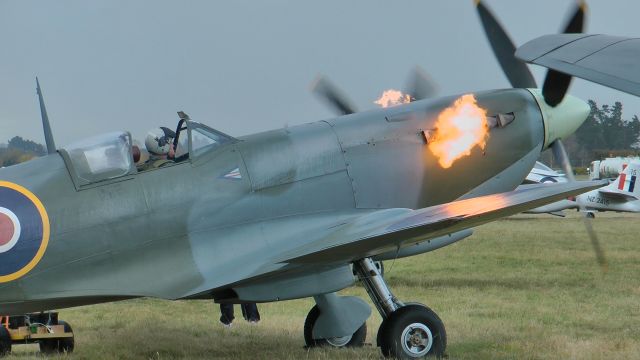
x=109 y=156
x=99 y=158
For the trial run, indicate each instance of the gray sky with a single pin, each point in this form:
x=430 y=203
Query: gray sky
x=246 y=66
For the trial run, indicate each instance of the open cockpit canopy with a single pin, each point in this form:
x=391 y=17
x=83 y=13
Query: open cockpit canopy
x=198 y=139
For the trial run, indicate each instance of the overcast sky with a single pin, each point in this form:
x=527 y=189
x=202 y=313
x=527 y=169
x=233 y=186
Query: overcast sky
x=246 y=66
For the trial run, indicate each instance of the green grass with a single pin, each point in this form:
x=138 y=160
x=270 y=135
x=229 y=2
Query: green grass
x=527 y=287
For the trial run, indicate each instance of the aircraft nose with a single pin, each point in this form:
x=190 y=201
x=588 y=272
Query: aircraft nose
x=562 y=120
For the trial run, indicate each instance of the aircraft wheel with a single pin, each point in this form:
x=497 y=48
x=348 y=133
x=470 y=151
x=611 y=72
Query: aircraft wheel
x=413 y=331
x=5 y=341
x=354 y=340
x=64 y=345
x=48 y=346
x=591 y=215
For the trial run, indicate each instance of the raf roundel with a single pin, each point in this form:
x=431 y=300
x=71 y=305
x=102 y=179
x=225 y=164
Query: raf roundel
x=9 y=229
x=24 y=231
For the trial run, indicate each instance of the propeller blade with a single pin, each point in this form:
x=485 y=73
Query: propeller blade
x=503 y=48
x=332 y=96
x=555 y=87
x=575 y=25
x=420 y=85
x=600 y=257
x=556 y=83
x=561 y=156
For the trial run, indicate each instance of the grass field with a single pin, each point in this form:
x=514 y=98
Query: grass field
x=527 y=287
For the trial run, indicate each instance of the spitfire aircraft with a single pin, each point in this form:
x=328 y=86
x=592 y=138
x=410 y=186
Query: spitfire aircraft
x=284 y=214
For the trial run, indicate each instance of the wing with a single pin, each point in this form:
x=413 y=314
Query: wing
x=389 y=229
x=608 y=60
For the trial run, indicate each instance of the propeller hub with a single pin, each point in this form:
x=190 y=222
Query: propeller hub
x=561 y=120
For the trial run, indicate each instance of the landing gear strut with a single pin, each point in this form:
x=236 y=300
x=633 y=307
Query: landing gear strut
x=407 y=331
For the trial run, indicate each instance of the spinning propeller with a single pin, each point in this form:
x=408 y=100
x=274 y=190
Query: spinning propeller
x=332 y=96
x=554 y=88
x=420 y=86
x=555 y=83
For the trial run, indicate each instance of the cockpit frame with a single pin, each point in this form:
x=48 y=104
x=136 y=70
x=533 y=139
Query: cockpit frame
x=108 y=158
x=195 y=150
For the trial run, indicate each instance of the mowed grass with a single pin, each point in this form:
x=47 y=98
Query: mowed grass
x=526 y=287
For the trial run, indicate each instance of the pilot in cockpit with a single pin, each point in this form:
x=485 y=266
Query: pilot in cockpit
x=159 y=144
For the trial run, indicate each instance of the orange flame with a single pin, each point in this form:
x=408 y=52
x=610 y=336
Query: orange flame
x=459 y=128
x=392 y=98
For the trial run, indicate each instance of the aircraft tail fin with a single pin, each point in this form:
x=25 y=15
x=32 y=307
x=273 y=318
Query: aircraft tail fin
x=48 y=135
x=627 y=183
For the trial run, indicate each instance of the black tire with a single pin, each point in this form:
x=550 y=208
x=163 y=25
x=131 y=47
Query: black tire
x=381 y=330
x=384 y=323
x=590 y=215
x=355 y=340
x=412 y=322
x=64 y=345
x=48 y=346
x=5 y=341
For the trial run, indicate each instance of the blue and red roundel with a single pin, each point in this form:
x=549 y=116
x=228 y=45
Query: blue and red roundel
x=24 y=231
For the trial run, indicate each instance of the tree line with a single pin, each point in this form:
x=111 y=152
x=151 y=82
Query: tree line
x=605 y=133
x=19 y=150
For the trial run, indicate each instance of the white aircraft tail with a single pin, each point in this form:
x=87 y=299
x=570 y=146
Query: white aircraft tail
x=626 y=183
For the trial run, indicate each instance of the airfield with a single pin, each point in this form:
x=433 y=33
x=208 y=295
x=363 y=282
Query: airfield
x=525 y=287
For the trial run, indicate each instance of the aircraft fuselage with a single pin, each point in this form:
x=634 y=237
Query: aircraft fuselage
x=190 y=228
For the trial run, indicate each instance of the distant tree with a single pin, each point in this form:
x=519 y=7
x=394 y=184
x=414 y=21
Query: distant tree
x=634 y=128
x=604 y=132
x=28 y=146
x=11 y=156
x=20 y=150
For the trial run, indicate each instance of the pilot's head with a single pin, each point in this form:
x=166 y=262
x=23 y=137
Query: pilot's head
x=159 y=140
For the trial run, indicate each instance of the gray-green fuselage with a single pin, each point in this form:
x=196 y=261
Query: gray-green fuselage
x=187 y=231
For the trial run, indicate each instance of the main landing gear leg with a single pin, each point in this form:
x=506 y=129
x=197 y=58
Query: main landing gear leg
x=408 y=331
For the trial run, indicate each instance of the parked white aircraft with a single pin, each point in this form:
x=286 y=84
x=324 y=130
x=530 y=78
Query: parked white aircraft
x=541 y=174
x=622 y=194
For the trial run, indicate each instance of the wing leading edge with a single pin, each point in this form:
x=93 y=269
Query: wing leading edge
x=390 y=229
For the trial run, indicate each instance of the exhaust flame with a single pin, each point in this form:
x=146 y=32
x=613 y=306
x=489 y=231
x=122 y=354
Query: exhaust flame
x=392 y=98
x=459 y=128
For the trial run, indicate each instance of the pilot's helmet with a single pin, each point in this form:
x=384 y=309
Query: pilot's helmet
x=159 y=140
